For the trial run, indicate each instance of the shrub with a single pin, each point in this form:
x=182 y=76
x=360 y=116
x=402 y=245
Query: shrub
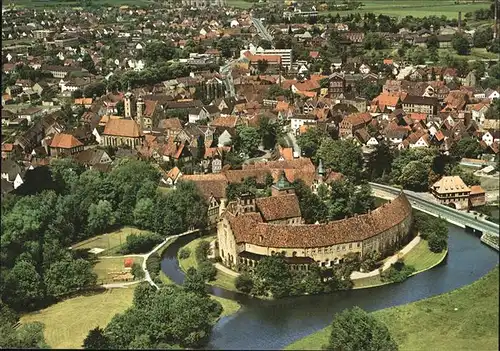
x=202 y=251
x=137 y=244
x=137 y=271
x=184 y=253
x=207 y=270
x=153 y=265
x=397 y=273
x=437 y=243
x=244 y=283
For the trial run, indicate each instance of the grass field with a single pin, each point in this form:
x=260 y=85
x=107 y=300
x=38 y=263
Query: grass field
x=422 y=258
x=239 y=4
x=68 y=322
x=110 y=242
x=463 y=319
x=104 y=266
x=416 y=8
x=73 y=4
x=222 y=279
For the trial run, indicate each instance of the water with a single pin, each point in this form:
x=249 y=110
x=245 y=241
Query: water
x=274 y=324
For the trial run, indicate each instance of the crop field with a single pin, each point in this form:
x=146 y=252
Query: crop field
x=73 y=3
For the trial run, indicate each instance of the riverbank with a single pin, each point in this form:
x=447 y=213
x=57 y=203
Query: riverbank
x=463 y=319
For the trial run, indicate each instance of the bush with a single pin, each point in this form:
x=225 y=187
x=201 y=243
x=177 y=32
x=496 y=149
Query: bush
x=202 y=251
x=437 y=243
x=137 y=271
x=153 y=265
x=184 y=253
x=137 y=244
x=397 y=273
x=244 y=283
x=207 y=270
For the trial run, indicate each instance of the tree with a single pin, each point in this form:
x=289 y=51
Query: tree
x=120 y=108
x=88 y=63
x=262 y=66
x=374 y=41
x=468 y=147
x=370 y=333
x=310 y=141
x=24 y=287
x=482 y=37
x=274 y=275
x=247 y=140
x=269 y=132
x=95 y=90
x=143 y=213
x=77 y=94
x=96 y=340
x=311 y=207
x=371 y=90
x=157 y=51
x=244 y=283
x=342 y=156
x=432 y=42
x=194 y=282
x=415 y=176
x=101 y=217
x=460 y=43
x=137 y=271
x=68 y=276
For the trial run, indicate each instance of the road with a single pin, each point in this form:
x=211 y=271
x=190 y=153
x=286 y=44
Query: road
x=263 y=32
x=228 y=77
x=462 y=219
x=292 y=142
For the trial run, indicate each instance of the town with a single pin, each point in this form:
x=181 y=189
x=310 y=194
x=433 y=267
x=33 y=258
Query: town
x=165 y=165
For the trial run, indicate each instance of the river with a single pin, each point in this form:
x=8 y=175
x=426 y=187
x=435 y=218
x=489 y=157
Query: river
x=262 y=324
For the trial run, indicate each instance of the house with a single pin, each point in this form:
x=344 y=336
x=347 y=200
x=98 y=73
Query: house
x=85 y=102
x=491 y=94
x=336 y=85
x=171 y=127
x=64 y=145
x=420 y=104
x=122 y=132
x=299 y=120
x=451 y=191
x=92 y=157
x=12 y=173
x=31 y=113
x=10 y=151
x=172 y=176
x=353 y=122
x=197 y=114
x=477 y=196
x=479 y=111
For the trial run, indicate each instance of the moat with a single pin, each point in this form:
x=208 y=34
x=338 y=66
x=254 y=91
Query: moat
x=264 y=324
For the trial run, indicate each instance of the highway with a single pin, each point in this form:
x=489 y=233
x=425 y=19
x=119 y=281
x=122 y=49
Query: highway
x=456 y=217
x=262 y=29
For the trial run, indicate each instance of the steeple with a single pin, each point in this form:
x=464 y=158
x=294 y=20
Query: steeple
x=282 y=186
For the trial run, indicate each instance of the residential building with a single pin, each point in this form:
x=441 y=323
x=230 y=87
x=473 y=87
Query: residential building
x=452 y=191
x=64 y=145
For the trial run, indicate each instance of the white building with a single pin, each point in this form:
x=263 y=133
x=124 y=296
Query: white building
x=286 y=55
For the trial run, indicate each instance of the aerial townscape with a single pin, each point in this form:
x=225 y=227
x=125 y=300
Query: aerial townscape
x=250 y=174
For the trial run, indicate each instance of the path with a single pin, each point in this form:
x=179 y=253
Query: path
x=226 y=270
x=393 y=259
x=147 y=276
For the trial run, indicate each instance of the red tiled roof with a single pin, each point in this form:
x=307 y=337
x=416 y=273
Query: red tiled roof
x=278 y=207
x=122 y=127
x=65 y=141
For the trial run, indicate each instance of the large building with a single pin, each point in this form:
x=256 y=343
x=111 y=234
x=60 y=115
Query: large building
x=204 y=3
x=251 y=229
x=452 y=191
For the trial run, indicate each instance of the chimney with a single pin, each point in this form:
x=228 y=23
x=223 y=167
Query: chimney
x=459 y=21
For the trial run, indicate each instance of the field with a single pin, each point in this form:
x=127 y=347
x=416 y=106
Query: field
x=222 y=279
x=239 y=4
x=417 y=8
x=109 y=242
x=104 y=266
x=463 y=319
x=73 y=3
x=422 y=258
x=68 y=322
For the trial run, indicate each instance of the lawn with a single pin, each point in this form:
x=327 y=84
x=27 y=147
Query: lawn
x=68 y=322
x=109 y=242
x=239 y=4
x=475 y=54
x=422 y=258
x=73 y=4
x=222 y=280
x=415 y=8
x=463 y=319
x=105 y=266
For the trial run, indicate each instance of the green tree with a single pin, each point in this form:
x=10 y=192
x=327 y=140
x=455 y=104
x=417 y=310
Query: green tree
x=274 y=274
x=342 y=156
x=374 y=41
x=247 y=140
x=24 y=286
x=310 y=141
x=88 y=63
x=95 y=90
x=468 y=147
x=244 y=283
x=432 y=42
x=269 y=132
x=68 y=276
x=77 y=94
x=460 y=44
x=194 y=282
x=96 y=340
x=143 y=213
x=262 y=66
x=312 y=208
x=370 y=334
x=101 y=217
x=415 y=176
x=482 y=37
x=137 y=271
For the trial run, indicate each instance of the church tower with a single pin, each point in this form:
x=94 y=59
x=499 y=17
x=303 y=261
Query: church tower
x=129 y=104
x=282 y=186
x=140 y=112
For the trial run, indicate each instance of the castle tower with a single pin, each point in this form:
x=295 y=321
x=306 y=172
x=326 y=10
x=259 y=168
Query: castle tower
x=140 y=112
x=129 y=104
x=282 y=186
x=321 y=172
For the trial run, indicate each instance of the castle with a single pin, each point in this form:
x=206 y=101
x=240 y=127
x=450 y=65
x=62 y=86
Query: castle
x=252 y=228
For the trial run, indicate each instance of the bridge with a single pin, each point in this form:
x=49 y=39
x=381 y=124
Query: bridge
x=459 y=218
x=263 y=32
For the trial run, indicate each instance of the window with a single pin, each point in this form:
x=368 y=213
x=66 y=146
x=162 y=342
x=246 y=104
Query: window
x=350 y=246
x=359 y=244
x=343 y=247
x=272 y=252
x=261 y=238
x=294 y=254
